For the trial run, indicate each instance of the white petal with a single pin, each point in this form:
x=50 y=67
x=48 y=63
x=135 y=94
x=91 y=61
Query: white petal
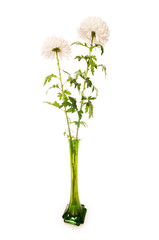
x=55 y=42
x=97 y=25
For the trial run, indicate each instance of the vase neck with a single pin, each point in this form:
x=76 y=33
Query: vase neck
x=73 y=146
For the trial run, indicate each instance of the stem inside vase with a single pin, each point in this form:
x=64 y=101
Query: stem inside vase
x=75 y=211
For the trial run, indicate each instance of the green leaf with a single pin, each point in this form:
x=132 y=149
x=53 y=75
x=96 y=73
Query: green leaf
x=65 y=72
x=94 y=88
x=79 y=73
x=69 y=78
x=89 y=108
x=84 y=124
x=90 y=61
x=87 y=58
x=56 y=104
x=99 y=46
x=103 y=68
x=91 y=98
x=48 y=78
x=76 y=123
x=66 y=134
x=79 y=43
x=67 y=92
x=93 y=57
x=73 y=101
x=59 y=95
x=79 y=57
x=54 y=86
x=66 y=103
x=83 y=98
x=88 y=82
x=93 y=65
x=80 y=112
x=73 y=81
x=72 y=110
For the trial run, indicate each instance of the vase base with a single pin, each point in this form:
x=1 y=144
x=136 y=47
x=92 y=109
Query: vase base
x=75 y=219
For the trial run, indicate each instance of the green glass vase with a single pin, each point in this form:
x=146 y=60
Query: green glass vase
x=75 y=211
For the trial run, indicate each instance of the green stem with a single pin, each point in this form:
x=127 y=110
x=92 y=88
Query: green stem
x=63 y=96
x=74 y=198
x=84 y=86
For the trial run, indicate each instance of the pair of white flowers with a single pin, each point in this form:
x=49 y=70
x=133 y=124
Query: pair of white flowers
x=91 y=25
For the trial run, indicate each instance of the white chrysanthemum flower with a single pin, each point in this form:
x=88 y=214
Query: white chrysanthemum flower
x=94 y=26
x=55 y=44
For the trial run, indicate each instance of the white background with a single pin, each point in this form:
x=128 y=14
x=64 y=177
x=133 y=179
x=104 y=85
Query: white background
x=118 y=159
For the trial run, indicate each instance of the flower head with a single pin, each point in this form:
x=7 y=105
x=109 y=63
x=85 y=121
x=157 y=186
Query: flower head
x=94 y=27
x=53 y=45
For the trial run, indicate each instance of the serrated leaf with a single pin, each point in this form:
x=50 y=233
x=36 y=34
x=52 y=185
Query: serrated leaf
x=79 y=43
x=48 y=78
x=93 y=65
x=94 y=88
x=73 y=81
x=76 y=123
x=76 y=43
x=88 y=82
x=72 y=110
x=93 y=57
x=65 y=72
x=80 y=112
x=83 y=98
x=69 y=78
x=79 y=57
x=79 y=73
x=54 y=86
x=56 y=104
x=66 y=134
x=86 y=108
x=87 y=58
x=103 y=68
x=59 y=95
x=66 y=103
x=67 y=92
x=101 y=47
x=73 y=101
x=84 y=124
x=91 y=98
x=89 y=108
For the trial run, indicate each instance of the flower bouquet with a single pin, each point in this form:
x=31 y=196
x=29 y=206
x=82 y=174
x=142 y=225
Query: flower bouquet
x=76 y=95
